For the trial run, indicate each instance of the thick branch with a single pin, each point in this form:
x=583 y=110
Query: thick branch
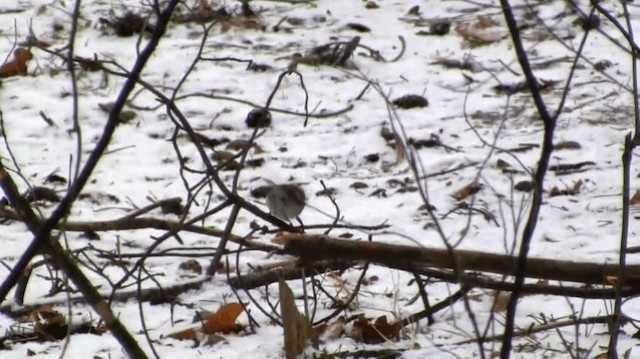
x=403 y=257
x=128 y=223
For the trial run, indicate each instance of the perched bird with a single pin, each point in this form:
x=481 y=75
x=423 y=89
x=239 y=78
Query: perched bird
x=285 y=201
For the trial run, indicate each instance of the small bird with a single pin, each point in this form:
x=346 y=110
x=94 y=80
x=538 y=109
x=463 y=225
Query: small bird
x=285 y=201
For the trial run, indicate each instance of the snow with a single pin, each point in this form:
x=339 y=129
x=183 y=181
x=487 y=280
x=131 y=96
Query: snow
x=141 y=163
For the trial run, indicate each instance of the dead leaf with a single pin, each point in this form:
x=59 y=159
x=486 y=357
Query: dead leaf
x=358 y=27
x=387 y=134
x=242 y=22
x=567 y=145
x=18 y=66
x=478 y=34
x=222 y=156
x=43 y=312
x=502 y=300
x=191 y=265
x=371 y=5
x=358 y=185
x=440 y=28
x=485 y=21
x=524 y=186
x=238 y=145
x=577 y=186
x=332 y=331
x=411 y=101
x=213 y=339
x=333 y=54
x=635 y=199
x=378 y=332
x=574 y=190
x=50 y=331
x=48 y=324
x=467 y=191
x=502 y=164
x=224 y=321
x=187 y=334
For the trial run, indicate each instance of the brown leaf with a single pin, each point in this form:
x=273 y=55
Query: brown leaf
x=467 y=191
x=358 y=27
x=238 y=145
x=476 y=36
x=524 y=186
x=502 y=300
x=242 y=22
x=43 y=312
x=485 y=21
x=567 y=145
x=224 y=321
x=49 y=324
x=577 y=186
x=50 y=332
x=378 y=332
x=358 y=185
x=333 y=330
x=191 y=265
x=387 y=134
x=19 y=64
x=502 y=164
x=222 y=156
x=213 y=339
x=371 y=5
x=411 y=101
x=187 y=334
x=635 y=199
x=567 y=191
x=415 y=11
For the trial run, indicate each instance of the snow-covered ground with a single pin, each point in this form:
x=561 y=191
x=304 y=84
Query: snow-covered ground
x=141 y=163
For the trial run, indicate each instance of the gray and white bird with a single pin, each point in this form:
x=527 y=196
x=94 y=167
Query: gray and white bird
x=285 y=201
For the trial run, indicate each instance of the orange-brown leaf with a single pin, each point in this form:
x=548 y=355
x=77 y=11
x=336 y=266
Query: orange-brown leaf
x=378 y=332
x=224 y=321
x=333 y=330
x=187 y=334
x=19 y=64
x=502 y=300
x=635 y=199
x=43 y=312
